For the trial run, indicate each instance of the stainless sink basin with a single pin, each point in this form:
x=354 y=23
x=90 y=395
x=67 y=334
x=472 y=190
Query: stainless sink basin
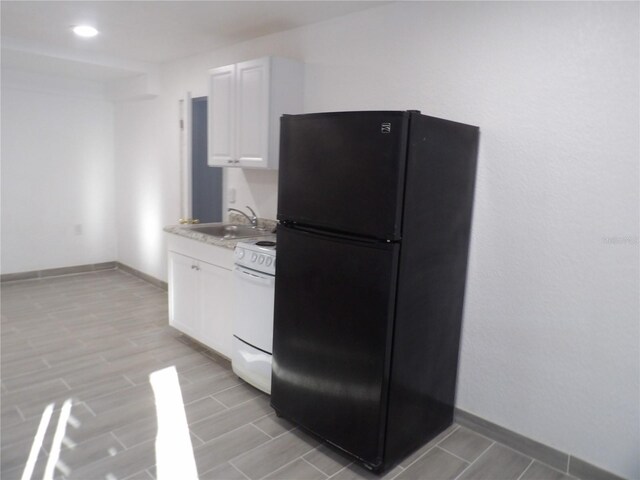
x=229 y=231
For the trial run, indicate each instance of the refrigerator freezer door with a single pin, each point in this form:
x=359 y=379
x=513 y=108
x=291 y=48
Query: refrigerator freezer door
x=344 y=171
x=332 y=335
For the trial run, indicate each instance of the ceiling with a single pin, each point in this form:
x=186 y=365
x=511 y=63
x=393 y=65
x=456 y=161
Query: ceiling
x=137 y=35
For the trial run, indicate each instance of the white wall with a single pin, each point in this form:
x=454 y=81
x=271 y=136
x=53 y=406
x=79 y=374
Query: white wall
x=550 y=344
x=57 y=173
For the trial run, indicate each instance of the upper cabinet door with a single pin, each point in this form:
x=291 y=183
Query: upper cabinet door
x=246 y=101
x=222 y=116
x=221 y=104
x=252 y=121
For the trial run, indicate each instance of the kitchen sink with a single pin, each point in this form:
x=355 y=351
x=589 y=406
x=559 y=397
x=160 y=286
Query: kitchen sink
x=229 y=231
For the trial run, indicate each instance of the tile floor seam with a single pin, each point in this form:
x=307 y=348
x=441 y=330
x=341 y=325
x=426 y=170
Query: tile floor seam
x=473 y=463
x=129 y=380
x=221 y=374
x=209 y=417
x=271 y=440
x=280 y=468
x=525 y=470
x=453 y=454
x=397 y=474
x=237 y=404
x=227 y=433
x=104 y=459
x=133 y=445
x=270 y=436
x=215 y=400
x=231 y=460
x=86 y=405
x=521 y=453
x=478 y=433
x=453 y=430
x=191 y=432
x=265 y=416
x=65 y=383
x=238 y=470
x=423 y=454
x=309 y=463
x=61 y=467
x=341 y=470
x=113 y=434
x=20 y=413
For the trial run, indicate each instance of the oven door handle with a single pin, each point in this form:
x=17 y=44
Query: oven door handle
x=254 y=277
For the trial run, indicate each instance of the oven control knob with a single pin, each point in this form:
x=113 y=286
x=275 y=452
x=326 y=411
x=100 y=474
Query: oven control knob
x=269 y=261
x=239 y=252
x=254 y=257
x=261 y=259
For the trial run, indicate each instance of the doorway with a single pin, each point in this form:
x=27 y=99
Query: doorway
x=206 y=181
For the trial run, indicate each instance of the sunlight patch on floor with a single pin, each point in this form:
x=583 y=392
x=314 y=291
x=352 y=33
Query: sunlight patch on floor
x=37 y=442
x=174 y=452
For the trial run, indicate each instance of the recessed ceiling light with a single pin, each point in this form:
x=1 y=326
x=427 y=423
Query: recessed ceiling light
x=85 y=31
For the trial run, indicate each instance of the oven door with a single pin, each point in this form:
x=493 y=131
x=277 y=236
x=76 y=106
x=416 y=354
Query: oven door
x=254 y=308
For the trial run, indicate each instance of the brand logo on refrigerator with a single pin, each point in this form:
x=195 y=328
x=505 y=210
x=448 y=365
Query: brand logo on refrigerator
x=385 y=128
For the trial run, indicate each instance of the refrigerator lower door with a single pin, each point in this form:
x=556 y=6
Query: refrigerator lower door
x=334 y=305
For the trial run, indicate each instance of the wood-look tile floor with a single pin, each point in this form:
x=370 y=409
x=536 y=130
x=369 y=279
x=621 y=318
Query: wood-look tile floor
x=95 y=339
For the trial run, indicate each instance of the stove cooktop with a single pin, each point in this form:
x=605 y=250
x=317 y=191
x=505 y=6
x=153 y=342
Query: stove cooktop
x=264 y=245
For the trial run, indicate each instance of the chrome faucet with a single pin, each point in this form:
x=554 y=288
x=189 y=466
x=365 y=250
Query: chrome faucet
x=253 y=219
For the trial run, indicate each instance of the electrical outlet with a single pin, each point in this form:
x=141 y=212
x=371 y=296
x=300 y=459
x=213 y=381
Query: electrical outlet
x=232 y=195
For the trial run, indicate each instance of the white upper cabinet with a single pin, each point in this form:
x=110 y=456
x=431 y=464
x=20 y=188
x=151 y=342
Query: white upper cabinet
x=246 y=101
x=221 y=114
x=252 y=109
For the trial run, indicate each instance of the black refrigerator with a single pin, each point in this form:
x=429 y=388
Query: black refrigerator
x=374 y=213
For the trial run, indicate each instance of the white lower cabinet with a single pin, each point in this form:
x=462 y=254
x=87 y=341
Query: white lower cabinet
x=200 y=299
x=183 y=293
x=216 y=317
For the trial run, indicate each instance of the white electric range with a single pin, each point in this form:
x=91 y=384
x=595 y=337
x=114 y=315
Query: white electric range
x=254 y=285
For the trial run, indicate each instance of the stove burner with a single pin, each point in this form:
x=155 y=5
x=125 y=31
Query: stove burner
x=266 y=243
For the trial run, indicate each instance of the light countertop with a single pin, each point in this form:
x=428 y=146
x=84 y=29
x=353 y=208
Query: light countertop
x=186 y=231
